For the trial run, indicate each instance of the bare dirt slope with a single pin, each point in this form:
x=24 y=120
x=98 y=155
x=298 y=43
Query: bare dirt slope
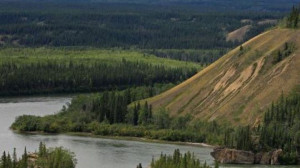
x=239 y=86
x=239 y=34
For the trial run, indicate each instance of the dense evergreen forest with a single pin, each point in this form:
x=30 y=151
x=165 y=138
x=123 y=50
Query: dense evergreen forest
x=41 y=70
x=185 y=32
x=45 y=158
x=123 y=25
x=203 y=57
x=69 y=77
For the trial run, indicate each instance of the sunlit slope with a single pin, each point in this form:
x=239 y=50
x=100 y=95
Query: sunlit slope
x=240 y=85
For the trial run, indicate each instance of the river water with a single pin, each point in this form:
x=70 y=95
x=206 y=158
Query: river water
x=90 y=152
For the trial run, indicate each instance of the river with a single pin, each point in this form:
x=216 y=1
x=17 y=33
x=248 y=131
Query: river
x=90 y=152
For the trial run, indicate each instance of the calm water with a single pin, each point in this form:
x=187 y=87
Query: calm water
x=90 y=152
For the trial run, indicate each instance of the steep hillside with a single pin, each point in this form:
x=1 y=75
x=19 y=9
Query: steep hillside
x=240 y=85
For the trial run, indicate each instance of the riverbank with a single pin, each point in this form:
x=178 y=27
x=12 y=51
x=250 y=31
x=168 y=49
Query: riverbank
x=141 y=139
x=127 y=138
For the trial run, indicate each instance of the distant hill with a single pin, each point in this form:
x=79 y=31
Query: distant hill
x=239 y=34
x=242 y=84
x=251 y=28
x=217 y=5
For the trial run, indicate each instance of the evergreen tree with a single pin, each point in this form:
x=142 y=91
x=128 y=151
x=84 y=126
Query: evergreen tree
x=9 y=161
x=15 y=160
x=4 y=160
x=241 y=48
x=293 y=18
x=24 y=163
x=135 y=115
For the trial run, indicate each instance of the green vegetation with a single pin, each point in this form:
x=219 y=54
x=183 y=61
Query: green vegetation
x=293 y=19
x=46 y=70
x=108 y=25
x=178 y=160
x=285 y=52
x=107 y=114
x=45 y=158
x=204 y=57
x=279 y=130
x=128 y=41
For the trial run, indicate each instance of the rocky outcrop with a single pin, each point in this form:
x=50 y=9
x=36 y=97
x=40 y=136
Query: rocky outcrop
x=275 y=157
x=233 y=156
x=268 y=158
x=32 y=158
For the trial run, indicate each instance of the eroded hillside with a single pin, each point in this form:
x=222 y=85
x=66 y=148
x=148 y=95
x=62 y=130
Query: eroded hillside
x=240 y=85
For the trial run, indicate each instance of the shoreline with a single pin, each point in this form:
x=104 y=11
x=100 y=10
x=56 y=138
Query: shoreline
x=126 y=138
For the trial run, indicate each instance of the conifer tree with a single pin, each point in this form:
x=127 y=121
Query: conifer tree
x=4 y=160
x=135 y=115
x=139 y=166
x=24 y=159
x=9 y=161
x=15 y=160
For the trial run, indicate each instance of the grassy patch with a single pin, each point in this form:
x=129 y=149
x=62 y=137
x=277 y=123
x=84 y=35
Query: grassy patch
x=86 y=55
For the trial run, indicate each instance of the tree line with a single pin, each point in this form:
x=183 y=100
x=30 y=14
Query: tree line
x=178 y=160
x=204 y=57
x=293 y=18
x=55 y=76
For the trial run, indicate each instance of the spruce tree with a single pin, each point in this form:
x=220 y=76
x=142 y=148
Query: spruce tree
x=24 y=159
x=135 y=115
x=15 y=160
x=9 y=161
x=4 y=160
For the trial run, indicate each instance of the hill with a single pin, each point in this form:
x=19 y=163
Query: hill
x=242 y=84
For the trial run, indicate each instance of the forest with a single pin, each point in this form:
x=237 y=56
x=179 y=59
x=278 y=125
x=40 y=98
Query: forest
x=71 y=47
x=36 y=71
x=107 y=25
x=45 y=157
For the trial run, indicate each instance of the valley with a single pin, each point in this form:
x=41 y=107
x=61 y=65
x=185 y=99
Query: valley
x=160 y=84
